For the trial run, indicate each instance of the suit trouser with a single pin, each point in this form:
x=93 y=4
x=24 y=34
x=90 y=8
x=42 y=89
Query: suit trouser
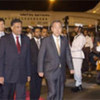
x=77 y=71
x=9 y=89
x=35 y=87
x=1 y=91
x=55 y=85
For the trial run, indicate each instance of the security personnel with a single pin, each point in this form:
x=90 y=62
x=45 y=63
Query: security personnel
x=78 y=56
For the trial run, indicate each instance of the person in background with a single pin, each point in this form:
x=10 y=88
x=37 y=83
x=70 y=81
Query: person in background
x=64 y=32
x=53 y=56
x=44 y=32
x=2 y=33
x=95 y=59
x=98 y=63
x=87 y=49
x=92 y=35
x=14 y=62
x=2 y=27
x=78 y=56
x=35 y=83
x=29 y=31
x=71 y=36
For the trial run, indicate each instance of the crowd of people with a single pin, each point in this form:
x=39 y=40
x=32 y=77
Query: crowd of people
x=39 y=53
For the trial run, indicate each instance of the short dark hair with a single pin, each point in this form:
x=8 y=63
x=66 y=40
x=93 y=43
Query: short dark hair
x=44 y=28
x=37 y=28
x=55 y=21
x=15 y=21
x=2 y=20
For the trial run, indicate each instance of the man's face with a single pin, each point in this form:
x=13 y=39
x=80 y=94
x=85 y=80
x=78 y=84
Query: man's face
x=44 y=32
x=28 y=30
x=56 y=28
x=85 y=33
x=17 y=28
x=37 y=33
x=2 y=26
x=76 y=29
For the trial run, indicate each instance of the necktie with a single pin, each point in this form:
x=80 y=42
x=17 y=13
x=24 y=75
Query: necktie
x=58 y=46
x=18 y=44
x=38 y=44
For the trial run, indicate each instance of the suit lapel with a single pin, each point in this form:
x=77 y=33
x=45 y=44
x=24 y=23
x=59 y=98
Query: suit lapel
x=35 y=44
x=22 y=42
x=14 y=44
x=12 y=41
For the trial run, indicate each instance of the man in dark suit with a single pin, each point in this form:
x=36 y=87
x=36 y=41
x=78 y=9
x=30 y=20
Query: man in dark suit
x=53 y=56
x=2 y=33
x=35 y=83
x=14 y=62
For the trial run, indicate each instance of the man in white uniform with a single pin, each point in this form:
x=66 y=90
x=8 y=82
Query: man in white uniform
x=78 y=56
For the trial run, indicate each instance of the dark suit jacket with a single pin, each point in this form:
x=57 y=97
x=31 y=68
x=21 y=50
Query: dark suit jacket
x=34 y=56
x=48 y=59
x=14 y=67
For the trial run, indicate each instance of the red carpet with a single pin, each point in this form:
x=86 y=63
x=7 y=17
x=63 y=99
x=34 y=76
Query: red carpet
x=28 y=98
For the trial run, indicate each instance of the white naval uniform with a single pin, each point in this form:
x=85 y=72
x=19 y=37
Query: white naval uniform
x=78 y=56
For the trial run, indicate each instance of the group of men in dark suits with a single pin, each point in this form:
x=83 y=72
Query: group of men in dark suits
x=22 y=60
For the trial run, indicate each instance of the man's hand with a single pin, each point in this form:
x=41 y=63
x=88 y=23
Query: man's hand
x=71 y=71
x=28 y=78
x=1 y=80
x=41 y=74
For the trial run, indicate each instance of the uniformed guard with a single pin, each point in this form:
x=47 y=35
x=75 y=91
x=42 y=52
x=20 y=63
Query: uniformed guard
x=78 y=56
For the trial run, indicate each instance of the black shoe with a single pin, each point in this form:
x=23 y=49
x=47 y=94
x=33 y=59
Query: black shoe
x=80 y=88
x=77 y=89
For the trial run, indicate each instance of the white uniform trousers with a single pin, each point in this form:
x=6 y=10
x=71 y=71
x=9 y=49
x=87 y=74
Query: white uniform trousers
x=77 y=71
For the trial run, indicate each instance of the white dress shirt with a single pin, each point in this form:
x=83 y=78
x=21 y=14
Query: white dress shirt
x=37 y=40
x=55 y=40
x=2 y=34
x=29 y=35
x=18 y=38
